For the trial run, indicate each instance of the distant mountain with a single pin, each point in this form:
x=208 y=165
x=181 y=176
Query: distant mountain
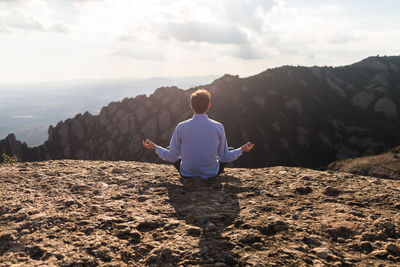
x=301 y=116
x=27 y=110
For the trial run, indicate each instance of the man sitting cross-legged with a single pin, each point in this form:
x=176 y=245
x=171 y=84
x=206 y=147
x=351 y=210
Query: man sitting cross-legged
x=198 y=146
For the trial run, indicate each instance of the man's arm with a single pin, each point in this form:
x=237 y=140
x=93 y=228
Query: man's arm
x=227 y=156
x=170 y=155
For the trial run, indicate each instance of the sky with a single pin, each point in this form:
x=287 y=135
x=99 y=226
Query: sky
x=60 y=40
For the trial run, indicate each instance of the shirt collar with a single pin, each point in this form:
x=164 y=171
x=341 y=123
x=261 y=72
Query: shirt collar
x=200 y=116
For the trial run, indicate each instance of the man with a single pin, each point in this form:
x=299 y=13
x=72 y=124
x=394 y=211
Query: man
x=198 y=146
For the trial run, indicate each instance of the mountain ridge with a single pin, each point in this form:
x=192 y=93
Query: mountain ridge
x=298 y=116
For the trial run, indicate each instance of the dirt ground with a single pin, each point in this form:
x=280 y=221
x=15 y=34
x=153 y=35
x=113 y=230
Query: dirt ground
x=96 y=213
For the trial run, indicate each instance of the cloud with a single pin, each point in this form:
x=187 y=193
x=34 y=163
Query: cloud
x=249 y=52
x=17 y=19
x=204 y=32
x=59 y=27
x=11 y=1
x=82 y=1
x=139 y=53
x=127 y=38
x=249 y=14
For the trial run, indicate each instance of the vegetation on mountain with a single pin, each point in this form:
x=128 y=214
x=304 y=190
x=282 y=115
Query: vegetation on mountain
x=386 y=165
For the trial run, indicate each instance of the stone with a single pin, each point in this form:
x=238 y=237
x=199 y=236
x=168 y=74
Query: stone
x=312 y=240
x=341 y=231
x=193 y=231
x=393 y=249
x=211 y=227
x=322 y=252
x=366 y=247
x=257 y=245
x=303 y=190
x=118 y=170
x=388 y=225
x=381 y=254
x=272 y=227
x=331 y=191
x=250 y=238
x=5 y=238
x=147 y=226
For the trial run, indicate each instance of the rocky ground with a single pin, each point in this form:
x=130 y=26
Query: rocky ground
x=386 y=165
x=89 y=213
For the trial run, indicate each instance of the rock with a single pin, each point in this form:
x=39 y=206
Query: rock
x=322 y=252
x=257 y=245
x=6 y=238
x=147 y=226
x=366 y=247
x=135 y=237
x=211 y=227
x=331 y=191
x=303 y=190
x=35 y=252
x=381 y=254
x=250 y=239
x=393 y=249
x=194 y=231
x=312 y=240
x=163 y=257
x=341 y=231
x=118 y=170
x=382 y=236
x=142 y=198
x=388 y=226
x=272 y=227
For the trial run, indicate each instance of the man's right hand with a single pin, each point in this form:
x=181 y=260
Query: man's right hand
x=148 y=144
x=247 y=147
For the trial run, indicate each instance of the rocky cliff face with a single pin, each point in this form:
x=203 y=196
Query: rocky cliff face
x=94 y=213
x=295 y=115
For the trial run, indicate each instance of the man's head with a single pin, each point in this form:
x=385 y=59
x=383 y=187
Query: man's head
x=200 y=101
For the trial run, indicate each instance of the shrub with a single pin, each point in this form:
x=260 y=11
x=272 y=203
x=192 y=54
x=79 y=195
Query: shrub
x=9 y=159
x=395 y=150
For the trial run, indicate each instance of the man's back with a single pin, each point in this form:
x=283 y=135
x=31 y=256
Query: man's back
x=200 y=143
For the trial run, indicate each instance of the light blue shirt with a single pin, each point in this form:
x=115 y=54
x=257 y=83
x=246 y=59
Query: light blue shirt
x=200 y=142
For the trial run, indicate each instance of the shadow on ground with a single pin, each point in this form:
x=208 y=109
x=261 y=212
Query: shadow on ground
x=211 y=205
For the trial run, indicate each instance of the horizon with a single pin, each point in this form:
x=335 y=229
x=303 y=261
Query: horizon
x=211 y=77
x=58 y=41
